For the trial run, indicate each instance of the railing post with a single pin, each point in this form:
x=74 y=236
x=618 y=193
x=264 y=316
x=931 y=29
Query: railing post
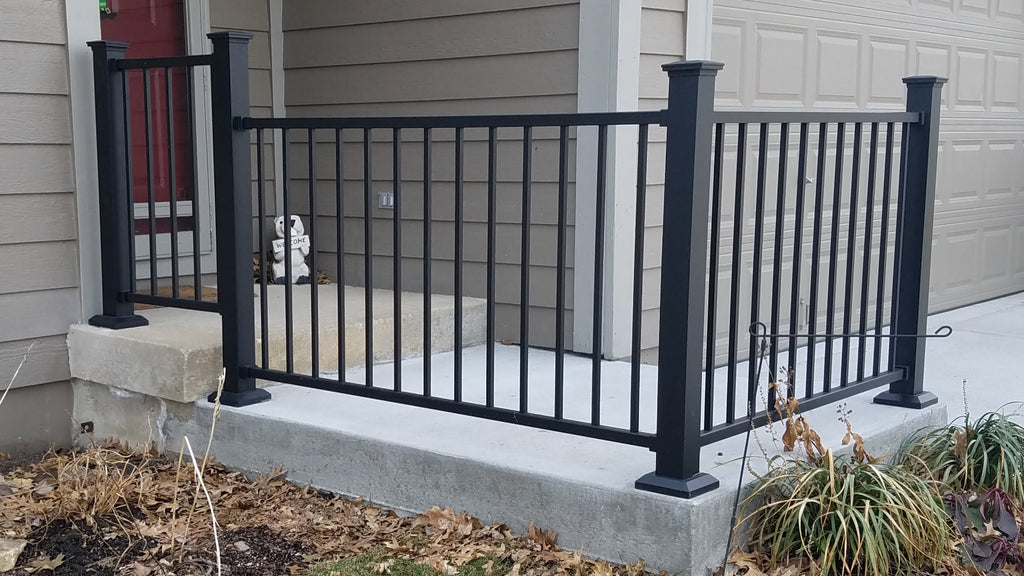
x=914 y=251
x=691 y=99
x=229 y=85
x=114 y=188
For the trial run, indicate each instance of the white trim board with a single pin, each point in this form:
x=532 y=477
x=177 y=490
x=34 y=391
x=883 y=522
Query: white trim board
x=83 y=25
x=699 y=20
x=608 y=80
x=277 y=86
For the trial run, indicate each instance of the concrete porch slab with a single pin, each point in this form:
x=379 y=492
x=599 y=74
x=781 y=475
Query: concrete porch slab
x=178 y=355
x=411 y=459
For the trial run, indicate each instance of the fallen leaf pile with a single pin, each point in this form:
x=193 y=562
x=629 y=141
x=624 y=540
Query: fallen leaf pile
x=743 y=563
x=150 y=505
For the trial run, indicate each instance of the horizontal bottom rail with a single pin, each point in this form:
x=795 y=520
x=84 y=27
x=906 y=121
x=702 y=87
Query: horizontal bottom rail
x=188 y=304
x=724 y=431
x=476 y=410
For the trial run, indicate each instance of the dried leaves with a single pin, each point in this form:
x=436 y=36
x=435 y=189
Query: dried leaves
x=798 y=430
x=144 y=500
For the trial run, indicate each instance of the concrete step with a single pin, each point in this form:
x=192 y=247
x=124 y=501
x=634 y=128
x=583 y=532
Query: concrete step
x=178 y=356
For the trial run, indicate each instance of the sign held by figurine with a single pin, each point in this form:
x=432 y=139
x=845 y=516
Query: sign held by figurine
x=298 y=242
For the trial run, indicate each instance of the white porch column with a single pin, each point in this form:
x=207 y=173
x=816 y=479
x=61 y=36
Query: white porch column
x=609 y=60
x=699 y=15
x=83 y=21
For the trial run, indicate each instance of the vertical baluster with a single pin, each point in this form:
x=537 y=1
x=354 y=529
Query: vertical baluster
x=837 y=209
x=737 y=264
x=339 y=229
x=833 y=254
x=865 y=279
x=261 y=212
x=812 y=310
x=492 y=200
x=883 y=243
x=428 y=329
x=755 y=292
x=197 y=267
x=314 y=303
x=563 y=185
x=524 y=274
x=130 y=197
x=851 y=254
x=640 y=229
x=150 y=185
x=368 y=249
x=459 y=161
x=901 y=192
x=396 y=184
x=598 y=311
x=289 y=319
x=780 y=237
x=172 y=181
x=798 y=230
x=713 y=268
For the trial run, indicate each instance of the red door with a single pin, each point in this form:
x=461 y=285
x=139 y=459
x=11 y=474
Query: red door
x=156 y=28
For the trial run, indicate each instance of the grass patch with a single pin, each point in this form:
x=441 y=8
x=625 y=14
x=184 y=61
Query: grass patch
x=378 y=563
x=371 y=563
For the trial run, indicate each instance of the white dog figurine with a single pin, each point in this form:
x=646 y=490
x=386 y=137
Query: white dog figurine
x=300 y=248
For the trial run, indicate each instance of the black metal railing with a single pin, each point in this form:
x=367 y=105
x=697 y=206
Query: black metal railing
x=855 y=202
x=148 y=172
x=875 y=211
x=367 y=139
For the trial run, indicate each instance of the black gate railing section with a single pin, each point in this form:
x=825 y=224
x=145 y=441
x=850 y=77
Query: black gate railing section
x=812 y=222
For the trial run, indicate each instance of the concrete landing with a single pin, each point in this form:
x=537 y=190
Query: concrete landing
x=178 y=355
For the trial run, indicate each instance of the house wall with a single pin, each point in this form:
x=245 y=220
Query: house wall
x=448 y=57
x=39 y=294
x=254 y=17
x=662 y=40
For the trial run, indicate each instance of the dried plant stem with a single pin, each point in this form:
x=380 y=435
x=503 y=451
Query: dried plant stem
x=24 y=359
x=201 y=470
x=209 y=501
x=174 y=506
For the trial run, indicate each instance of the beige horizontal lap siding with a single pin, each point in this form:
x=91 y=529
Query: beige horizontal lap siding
x=39 y=291
x=438 y=58
x=253 y=16
x=662 y=40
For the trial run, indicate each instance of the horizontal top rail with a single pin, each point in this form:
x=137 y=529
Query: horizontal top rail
x=478 y=121
x=167 y=62
x=823 y=117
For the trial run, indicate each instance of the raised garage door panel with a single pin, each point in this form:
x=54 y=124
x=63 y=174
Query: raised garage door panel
x=836 y=55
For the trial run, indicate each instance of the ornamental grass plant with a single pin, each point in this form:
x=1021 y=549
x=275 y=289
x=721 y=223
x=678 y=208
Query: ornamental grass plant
x=972 y=456
x=848 y=517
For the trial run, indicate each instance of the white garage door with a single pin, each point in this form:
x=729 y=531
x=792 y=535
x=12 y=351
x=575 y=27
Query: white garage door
x=845 y=54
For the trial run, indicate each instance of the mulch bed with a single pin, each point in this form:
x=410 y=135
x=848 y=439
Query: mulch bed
x=112 y=511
